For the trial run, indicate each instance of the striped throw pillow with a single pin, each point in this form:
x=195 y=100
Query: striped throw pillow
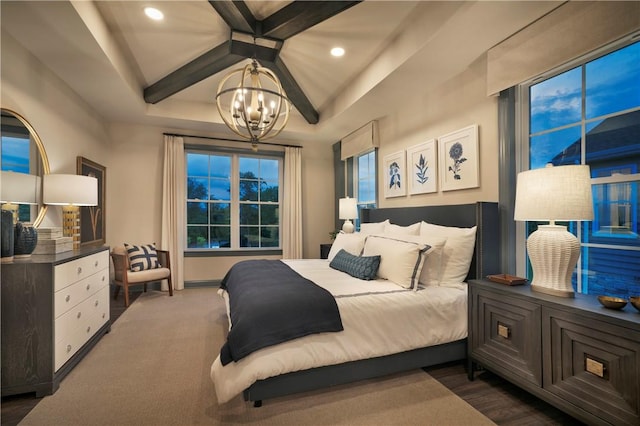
x=142 y=257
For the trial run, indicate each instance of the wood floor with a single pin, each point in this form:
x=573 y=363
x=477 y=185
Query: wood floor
x=497 y=399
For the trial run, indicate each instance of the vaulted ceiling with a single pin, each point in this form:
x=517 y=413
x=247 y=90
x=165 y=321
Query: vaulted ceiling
x=131 y=69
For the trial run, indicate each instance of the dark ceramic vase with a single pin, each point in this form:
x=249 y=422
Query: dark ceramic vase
x=6 y=224
x=26 y=238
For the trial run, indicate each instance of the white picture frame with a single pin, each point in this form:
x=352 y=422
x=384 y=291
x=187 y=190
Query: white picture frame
x=422 y=168
x=458 y=159
x=393 y=167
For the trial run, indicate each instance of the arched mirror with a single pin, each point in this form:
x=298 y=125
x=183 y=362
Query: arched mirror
x=22 y=151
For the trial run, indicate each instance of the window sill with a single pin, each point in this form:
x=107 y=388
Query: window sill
x=227 y=253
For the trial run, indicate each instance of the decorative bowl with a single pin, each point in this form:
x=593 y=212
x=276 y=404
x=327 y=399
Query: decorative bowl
x=635 y=301
x=612 y=302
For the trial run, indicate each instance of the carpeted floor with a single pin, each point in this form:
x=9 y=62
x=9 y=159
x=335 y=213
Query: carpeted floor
x=153 y=369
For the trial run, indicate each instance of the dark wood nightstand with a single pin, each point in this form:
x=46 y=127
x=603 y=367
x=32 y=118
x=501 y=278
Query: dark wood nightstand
x=324 y=250
x=571 y=352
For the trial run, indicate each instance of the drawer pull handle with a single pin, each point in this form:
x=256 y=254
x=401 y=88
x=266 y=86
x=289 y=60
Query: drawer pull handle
x=103 y=278
x=88 y=329
x=88 y=286
x=66 y=299
x=79 y=314
x=96 y=264
x=68 y=348
x=594 y=367
x=96 y=303
x=79 y=270
x=104 y=315
x=504 y=331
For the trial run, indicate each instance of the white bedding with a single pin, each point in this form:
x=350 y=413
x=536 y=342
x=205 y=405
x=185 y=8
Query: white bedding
x=379 y=318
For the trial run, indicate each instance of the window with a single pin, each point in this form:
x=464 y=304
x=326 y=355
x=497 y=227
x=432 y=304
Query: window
x=365 y=181
x=590 y=114
x=233 y=201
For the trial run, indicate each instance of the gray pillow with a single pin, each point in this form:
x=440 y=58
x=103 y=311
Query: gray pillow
x=362 y=267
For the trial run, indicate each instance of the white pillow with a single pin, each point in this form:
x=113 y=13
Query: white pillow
x=351 y=243
x=432 y=269
x=392 y=229
x=458 y=250
x=400 y=261
x=373 y=228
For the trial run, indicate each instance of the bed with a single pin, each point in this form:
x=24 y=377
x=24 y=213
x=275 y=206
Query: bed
x=448 y=346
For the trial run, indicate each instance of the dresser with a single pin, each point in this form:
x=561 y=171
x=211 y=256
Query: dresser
x=55 y=308
x=571 y=352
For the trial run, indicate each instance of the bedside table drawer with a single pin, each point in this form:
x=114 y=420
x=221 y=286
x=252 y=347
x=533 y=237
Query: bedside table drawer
x=506 y=335
x=594 y=365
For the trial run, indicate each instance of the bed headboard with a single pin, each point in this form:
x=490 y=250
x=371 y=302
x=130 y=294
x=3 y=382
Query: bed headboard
x=486 y=255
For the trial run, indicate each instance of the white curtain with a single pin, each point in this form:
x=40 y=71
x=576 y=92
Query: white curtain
x=173 y=208
x=292 y=205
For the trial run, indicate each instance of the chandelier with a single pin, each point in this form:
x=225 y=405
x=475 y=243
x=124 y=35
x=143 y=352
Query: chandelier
x=252 y=104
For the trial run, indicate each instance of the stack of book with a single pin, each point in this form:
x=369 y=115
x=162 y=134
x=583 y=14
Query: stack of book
x=51 y=241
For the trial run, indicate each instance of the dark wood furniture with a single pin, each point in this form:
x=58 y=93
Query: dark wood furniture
x=54 y=310
x=324 y=250
x=571 y=352
x=485 y=261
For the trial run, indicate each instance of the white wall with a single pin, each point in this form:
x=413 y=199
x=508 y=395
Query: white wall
x=66 y=125
x=460 y=102
x=133 y=154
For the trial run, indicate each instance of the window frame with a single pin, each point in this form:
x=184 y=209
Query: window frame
x=356 y=183
x=235 y=249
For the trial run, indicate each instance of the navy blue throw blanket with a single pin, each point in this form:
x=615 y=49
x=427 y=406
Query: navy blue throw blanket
x=270 y=303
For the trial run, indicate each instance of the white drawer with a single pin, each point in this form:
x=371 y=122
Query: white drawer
x=76 y=327
x=71 y=272
x=70 y=296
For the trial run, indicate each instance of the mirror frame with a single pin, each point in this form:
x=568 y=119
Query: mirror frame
x=42 y=210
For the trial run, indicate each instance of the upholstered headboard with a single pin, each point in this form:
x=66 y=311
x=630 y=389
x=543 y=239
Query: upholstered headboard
x=486 y=255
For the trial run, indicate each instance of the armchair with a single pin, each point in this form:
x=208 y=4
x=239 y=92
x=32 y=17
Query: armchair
x=125 y=277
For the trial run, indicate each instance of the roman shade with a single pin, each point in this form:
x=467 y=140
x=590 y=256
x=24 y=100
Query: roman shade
x=359 y=141
x=568 y=32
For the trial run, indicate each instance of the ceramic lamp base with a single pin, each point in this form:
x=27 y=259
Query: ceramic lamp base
x=347 y=227
x=554 y=253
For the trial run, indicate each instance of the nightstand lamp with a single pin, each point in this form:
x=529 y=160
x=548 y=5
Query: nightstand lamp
x=71 y=192
x=560 y=193
x=348 y=209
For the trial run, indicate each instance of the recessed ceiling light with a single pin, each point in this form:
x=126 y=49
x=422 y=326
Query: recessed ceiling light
x=153 y=13
x=337 y=51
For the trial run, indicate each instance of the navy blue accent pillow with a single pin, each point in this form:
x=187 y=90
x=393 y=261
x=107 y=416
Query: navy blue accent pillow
x=362 y=267
x=142 y=257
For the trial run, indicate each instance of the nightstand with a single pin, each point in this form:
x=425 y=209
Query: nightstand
x=571 y=352
x=324 y=250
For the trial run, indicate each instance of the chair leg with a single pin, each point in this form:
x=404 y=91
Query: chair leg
x=126 y=296
x=115 y=293
x=170 y=285
x=145 y=287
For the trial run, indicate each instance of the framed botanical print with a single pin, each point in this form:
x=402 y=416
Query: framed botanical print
x=393 y=168
x=422 y=168
x=458 y=159
x=92 y=220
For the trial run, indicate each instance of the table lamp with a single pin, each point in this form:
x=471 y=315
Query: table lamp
x=70 y=192
x=348 y=209
x=551 y=193
x=17 y=238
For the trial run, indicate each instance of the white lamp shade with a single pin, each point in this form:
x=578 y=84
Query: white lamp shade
x=348 y=208
x=554 y=193
x=19 y=188
x=74 y=190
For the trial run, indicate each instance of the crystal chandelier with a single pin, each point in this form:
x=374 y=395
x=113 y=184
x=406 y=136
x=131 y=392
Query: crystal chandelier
x=252 y=104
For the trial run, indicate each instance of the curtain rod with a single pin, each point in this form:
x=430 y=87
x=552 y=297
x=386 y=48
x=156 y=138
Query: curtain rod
x=231 y=140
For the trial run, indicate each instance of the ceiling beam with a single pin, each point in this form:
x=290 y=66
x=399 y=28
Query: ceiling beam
x=215 y=60
x=236 y=14
x=300 y=15
x=248 y=50
x=293 y=90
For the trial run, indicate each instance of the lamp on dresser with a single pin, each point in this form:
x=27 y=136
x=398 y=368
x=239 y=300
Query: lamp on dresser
x=348 y=209
x=17 y=189
x=561 y=193
x=70 y=192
